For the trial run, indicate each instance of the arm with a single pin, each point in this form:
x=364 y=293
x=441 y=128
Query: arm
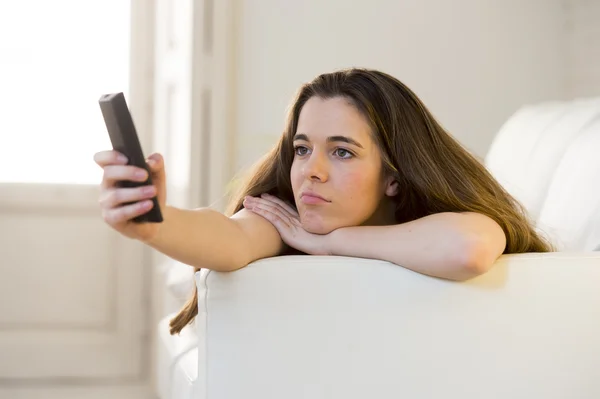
x=455 y=246
x=205 y=238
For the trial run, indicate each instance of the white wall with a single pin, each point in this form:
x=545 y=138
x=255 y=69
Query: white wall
x=473 y=62
x=582 y=28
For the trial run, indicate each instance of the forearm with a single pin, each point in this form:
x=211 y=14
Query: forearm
x=441 y=245
x=201 y=238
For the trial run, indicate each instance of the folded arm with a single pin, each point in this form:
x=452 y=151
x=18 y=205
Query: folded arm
x=455 y=246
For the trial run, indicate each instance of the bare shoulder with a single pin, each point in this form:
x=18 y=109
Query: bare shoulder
x=263 y=238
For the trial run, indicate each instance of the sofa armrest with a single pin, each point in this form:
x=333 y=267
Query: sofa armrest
x=176 y=362
x=339 y=327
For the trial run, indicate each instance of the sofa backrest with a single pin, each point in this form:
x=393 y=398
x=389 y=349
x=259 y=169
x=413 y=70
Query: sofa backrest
x=324 y=327
x=571 y=210
x=544 y=156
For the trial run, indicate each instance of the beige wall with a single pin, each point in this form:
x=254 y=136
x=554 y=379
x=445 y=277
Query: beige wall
x=473 y=62
x=582 y=29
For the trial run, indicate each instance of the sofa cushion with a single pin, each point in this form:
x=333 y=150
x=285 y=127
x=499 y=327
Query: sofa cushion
x=529 y=148
x=510 y=153
x=571 y=211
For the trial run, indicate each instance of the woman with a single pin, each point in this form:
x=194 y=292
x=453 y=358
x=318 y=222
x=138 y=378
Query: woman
x=362 y=169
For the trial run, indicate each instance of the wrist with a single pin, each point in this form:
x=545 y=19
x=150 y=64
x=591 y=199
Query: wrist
x=168 y=214
x=331 y=242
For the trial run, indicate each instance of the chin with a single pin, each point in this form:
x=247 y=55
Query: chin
x=319 y=226
x=319 y=230
x=316 y=227
x=317 y=223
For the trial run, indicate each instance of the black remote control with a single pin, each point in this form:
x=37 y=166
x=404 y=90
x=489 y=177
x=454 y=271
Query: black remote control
x=124 y=139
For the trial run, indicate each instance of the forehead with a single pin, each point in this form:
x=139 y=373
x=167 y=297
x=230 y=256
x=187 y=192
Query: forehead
x=320 y=118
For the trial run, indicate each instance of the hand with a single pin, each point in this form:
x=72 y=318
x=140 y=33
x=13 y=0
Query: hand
x=287 y=222
x=112 y=198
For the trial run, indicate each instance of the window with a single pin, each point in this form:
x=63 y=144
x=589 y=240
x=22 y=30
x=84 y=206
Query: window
x=56 y=59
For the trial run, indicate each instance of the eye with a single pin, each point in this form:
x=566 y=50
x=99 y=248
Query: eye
x=301 y=150
x=343 y=153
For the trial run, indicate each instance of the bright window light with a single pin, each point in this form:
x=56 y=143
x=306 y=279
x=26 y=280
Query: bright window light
x=56 y=59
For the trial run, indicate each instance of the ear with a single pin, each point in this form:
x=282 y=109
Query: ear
x=391 y=186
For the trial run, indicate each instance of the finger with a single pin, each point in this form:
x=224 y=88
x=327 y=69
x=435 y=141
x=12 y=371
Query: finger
x=114 y=173
x=281 y=203
x=104 y=158
x=270 y=212
x=156 y=165
x=127 y=212
x=116 y=197
x=273 y=218
x=155 y=162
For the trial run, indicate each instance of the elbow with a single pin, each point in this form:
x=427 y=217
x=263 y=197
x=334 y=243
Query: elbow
x=235 y=262
x=230 y=262
x=475 y=258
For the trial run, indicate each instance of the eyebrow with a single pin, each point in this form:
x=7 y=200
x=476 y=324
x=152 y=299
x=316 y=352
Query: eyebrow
x=331 y=139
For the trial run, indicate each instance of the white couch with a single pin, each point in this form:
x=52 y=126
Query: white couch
x=336 y=327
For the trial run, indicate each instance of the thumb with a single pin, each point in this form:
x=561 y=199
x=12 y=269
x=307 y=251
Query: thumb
x=156 y=164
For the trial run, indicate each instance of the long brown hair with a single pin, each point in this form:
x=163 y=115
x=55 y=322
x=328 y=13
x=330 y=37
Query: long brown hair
x=434 y=172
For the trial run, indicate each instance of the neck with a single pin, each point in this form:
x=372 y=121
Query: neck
x=385 y=214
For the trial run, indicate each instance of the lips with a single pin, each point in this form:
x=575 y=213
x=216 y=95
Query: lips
x=312 y=198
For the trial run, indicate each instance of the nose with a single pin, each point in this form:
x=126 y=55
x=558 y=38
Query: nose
x=316 y=168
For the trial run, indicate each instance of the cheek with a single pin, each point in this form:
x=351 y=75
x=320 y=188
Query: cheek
x=295 y=178
x=358 y=186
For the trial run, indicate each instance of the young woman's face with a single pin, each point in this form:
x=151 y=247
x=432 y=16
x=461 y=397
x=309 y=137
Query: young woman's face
x=336 y=173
